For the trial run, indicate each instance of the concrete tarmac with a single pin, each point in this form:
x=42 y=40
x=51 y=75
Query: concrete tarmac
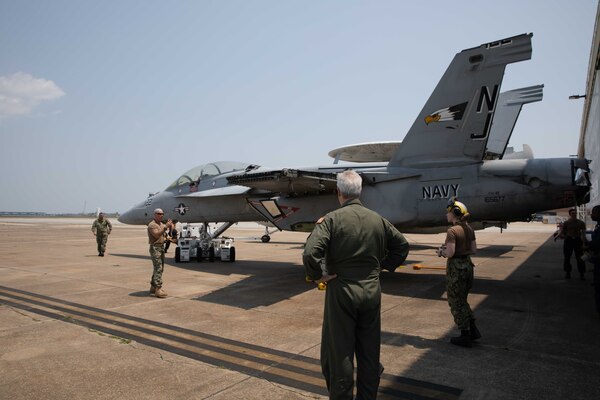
x=77 y=326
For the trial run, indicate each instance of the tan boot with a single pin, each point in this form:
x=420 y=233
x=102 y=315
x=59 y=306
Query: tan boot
x=160 y=293
x=152 y=289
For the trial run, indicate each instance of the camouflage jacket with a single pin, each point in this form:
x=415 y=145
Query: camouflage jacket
x=103 y=227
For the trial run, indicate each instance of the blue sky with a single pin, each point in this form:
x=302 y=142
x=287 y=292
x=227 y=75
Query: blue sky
x=102 y=102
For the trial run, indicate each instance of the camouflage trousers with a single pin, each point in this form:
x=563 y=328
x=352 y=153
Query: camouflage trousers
x=459 y=279
x=157 y=254
x=101 y=241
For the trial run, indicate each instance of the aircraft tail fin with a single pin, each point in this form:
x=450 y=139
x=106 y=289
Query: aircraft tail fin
x=453 y=127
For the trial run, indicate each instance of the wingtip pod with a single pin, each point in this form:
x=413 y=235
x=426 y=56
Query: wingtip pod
x=456 y=120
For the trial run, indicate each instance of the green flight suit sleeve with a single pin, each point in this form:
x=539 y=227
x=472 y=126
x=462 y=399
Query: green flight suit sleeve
x=95 y=227
x=109 y=226
x=397 y=246
x=315 y=249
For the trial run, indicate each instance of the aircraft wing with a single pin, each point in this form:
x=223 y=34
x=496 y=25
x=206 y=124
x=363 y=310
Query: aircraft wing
x=290 y=181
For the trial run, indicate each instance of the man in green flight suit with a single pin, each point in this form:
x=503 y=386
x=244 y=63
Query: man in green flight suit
x=347 y=249
x=101 y=229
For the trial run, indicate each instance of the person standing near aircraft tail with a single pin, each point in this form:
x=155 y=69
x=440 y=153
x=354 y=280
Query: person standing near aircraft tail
x=157 y=231
x=573 y=232
x=595 y=248
x=459 y=245
x=355 y=242
x=101 y=229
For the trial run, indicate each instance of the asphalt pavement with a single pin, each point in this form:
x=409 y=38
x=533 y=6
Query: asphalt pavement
x=77 y=326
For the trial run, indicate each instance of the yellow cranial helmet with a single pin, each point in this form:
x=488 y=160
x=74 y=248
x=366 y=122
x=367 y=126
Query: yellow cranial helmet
x=457 y=208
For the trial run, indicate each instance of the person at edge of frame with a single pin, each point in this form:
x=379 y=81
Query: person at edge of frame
x=594 y=247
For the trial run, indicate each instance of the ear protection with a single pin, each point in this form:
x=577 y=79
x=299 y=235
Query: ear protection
x=457 y=208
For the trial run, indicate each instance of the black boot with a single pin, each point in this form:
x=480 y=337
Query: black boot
x=475 y=334
x=463 y=340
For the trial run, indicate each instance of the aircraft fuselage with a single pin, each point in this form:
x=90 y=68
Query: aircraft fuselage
x=412 y=199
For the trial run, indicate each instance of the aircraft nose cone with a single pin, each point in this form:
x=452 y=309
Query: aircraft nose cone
x=133 y=216
x=124 y=218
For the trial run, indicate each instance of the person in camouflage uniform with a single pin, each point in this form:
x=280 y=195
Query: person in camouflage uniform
x=573 y=233
x=354 y=243
x=459 y=245
x=157 y=232
x=101 y=229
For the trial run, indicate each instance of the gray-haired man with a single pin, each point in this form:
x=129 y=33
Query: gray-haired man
x=356 y=243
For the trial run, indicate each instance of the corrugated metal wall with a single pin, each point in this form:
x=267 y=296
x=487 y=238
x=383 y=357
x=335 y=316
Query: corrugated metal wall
x=589 y=142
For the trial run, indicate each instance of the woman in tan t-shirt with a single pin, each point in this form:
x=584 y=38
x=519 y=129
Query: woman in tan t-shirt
x=459 y=245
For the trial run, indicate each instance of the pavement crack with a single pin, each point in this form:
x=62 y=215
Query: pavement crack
x=113 y=337
x=21 y=313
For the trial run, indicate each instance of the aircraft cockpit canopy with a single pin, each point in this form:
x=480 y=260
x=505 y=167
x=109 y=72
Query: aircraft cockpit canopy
x=207 y=171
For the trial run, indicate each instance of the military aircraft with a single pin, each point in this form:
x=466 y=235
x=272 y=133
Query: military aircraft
x=445 y=154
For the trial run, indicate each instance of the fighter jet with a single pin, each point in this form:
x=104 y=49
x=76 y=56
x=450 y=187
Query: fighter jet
x=445 y=154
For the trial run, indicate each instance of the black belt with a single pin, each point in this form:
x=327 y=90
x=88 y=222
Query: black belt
x=461 y=257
